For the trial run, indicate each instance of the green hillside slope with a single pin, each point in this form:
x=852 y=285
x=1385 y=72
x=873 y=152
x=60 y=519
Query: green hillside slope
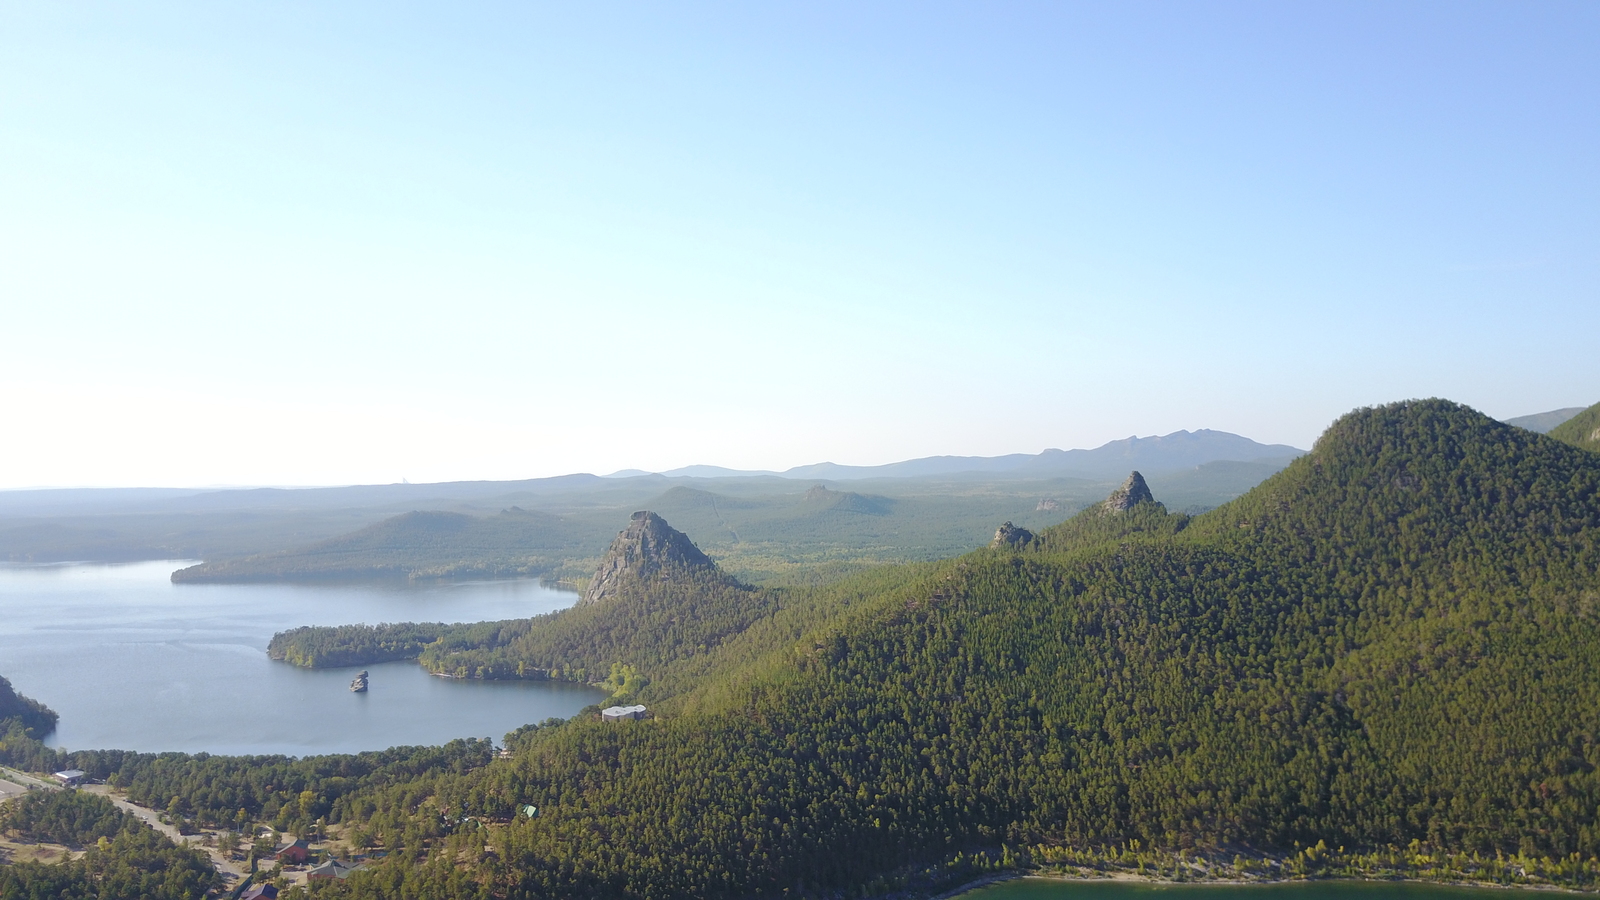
x=1393 y=643
x=1393 y=640
x=34 y=717
x=1582 y=430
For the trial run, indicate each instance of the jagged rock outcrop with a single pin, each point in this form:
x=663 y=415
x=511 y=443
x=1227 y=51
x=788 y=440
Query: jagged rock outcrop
x=1048 y=504
x=1011 y=537
x=1132 y=493
x=647 y=547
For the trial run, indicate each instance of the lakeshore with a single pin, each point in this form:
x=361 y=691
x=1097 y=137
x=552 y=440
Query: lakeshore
x=134 y=662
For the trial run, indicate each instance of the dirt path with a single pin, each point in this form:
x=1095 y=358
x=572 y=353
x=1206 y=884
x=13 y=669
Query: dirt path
x=153 y=819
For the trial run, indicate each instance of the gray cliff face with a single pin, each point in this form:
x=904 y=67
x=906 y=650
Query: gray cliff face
x=1011 y=537
x=1132 y=493
x=648 y=546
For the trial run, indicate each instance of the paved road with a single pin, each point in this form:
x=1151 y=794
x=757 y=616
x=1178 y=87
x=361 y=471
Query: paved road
x=10 y=789
x=24 y=779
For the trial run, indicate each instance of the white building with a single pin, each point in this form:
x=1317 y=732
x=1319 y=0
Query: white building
x=618 y=713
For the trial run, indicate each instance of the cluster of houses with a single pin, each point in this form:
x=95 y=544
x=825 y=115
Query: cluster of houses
x=290 y=852
x=297 y=852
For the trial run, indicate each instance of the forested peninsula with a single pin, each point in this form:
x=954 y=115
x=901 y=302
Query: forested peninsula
x=1384 y=660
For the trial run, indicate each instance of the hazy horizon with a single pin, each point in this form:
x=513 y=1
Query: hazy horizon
x=301 y=245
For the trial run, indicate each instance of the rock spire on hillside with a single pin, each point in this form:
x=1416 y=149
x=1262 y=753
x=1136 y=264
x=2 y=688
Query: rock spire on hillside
x=1132 y=493
x=648 y=546
x=1010 y=536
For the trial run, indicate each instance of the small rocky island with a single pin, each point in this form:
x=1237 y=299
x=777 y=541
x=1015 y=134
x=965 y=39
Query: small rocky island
x=359 y=686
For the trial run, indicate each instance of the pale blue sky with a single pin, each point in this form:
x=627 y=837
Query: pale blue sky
x=325 y=243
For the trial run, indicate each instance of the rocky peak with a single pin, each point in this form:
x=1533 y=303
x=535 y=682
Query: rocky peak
x=1009 y=536
x=819 y=492
x=648 y=546
x=1132 y=493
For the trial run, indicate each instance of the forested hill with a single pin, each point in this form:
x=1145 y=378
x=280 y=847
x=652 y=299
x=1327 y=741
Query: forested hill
x=1393 y=643
x=1393 y=640
x=1582 y=430
x=515 y=542
x=35 y=718
x=655 y=600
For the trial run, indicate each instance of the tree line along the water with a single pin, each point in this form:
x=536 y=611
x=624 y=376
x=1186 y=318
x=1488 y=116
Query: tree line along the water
x=1389 y=651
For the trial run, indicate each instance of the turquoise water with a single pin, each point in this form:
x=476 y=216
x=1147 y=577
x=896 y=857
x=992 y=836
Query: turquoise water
x=1068 y=889
x=132 y=661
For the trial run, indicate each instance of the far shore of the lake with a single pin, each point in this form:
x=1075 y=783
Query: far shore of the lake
x=1090 y=878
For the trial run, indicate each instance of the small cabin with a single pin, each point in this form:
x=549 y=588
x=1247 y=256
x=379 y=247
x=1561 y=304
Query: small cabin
x=618 y=713
x=71 y=777
x=295 y=852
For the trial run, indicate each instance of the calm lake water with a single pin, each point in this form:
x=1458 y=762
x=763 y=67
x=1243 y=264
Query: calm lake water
x=1049 y=889
x=132 y=661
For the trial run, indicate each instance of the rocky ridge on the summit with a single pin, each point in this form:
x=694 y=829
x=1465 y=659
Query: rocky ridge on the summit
x=1010 y=536
x=647 y=547
x=1132 y=493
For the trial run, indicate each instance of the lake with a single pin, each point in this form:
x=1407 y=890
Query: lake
x=132 y=661
x=1071 y=889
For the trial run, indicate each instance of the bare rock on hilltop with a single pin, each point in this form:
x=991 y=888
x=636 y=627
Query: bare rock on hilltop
x=647 y=547
x=1009 y=536
x=1132 y=493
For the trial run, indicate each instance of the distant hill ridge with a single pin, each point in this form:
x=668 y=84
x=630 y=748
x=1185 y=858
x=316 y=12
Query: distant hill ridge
x=1545 y=421
x=1161 y=453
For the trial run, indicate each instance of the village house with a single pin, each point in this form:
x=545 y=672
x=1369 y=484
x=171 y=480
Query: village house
x=260 y=892
x=71 y=777
x=618 y=713
x=293 y=852
x=330 y=870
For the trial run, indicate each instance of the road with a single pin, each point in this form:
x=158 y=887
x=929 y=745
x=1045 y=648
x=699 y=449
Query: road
x=24 y=779
x=152 y=818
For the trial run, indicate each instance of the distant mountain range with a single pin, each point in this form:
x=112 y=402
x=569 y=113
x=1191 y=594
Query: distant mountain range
x=1545 y=421
x=1163 y=453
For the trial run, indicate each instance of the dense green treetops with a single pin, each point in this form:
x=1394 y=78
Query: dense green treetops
x=124 y=858
x=1392 y=643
